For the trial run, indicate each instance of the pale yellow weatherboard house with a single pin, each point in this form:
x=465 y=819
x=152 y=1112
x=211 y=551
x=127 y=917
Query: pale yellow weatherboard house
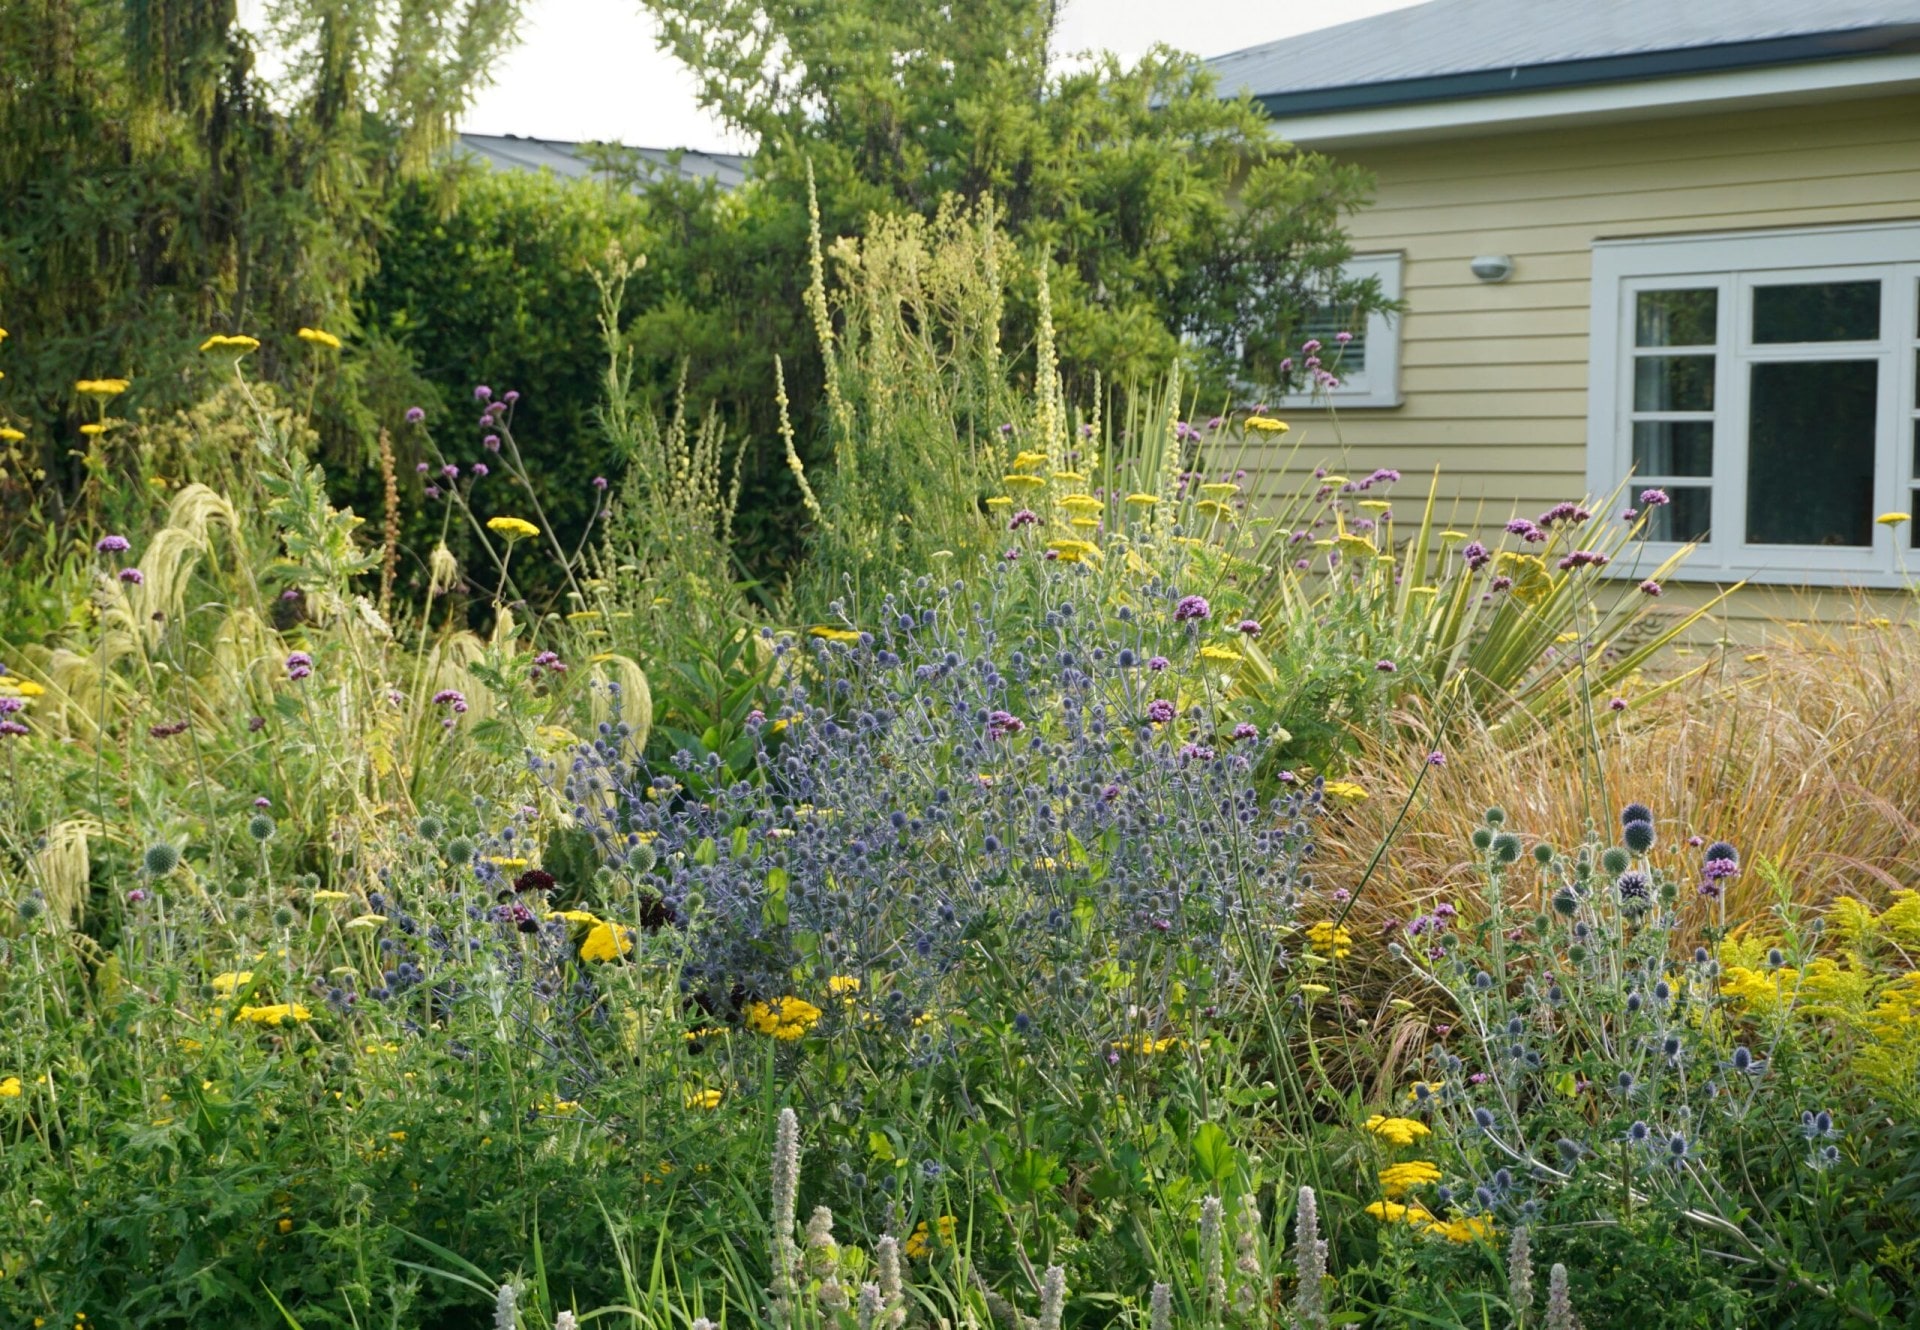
x=1680 y=237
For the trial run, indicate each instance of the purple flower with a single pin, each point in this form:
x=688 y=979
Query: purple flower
x=9 y=705
x=450 y=471
x=1158 y=663
x=1385 y=666
x=1002 y=723
x=450 y=697
x=491 y=443
x=299 y=665
x=1286 y=366
x=1526 y=530
x=512 y=395
x=1289 y=778
x=420 y=468
x=1584 y=559
x=479 y=469
x=1436 y=758
x=1006 y=429
x=111 y=545
x=1245 y=730
x=1195 y=753
x=1654 y=498
x=1618 y=704
x=1215 y=423
x=1192 y=607
x=1025 y=517
x=1565 y=512
x=415 y=415
x=433 y=491
x=1628 y=514
x=1343 y=337
x=12 y=727
x=599 y=482
x=1476 y=555
x=1650 y=587
x=136 y=896
x=1250 y=627
x=1311 y=345
x=132 y=576
x=1501 y=583
x=263 y=802
x=1160 y=711
x=1011 y=555
x=481 y=392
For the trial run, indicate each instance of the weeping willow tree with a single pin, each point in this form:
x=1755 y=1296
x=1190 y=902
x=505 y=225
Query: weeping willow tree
x=169 y=172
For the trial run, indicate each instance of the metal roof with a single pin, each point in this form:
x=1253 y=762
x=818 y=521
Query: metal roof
x=1469 y=48
x=514 y=152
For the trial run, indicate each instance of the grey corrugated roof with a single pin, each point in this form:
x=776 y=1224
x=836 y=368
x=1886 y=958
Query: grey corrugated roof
x=516 y=153
x=1451 y=48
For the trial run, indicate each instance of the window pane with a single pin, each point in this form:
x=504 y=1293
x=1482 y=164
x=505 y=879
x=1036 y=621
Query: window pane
x=1673 y=383
x=1810 y=453
x=1685 y=518
x=1673 y=447
x=1676 y=318
x=1817 y=312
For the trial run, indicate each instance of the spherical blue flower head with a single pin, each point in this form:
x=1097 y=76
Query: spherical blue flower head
x=1638 y=836
x=1635 y=813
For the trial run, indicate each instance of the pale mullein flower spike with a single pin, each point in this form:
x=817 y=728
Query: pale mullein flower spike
x=1213 y=1256
x=506 y=1308
x=786 y=1186
x=1520 y=1278
x=1559 y=1305
x=1053 y=1298
x=1160 y=1309
x=1310 y=1255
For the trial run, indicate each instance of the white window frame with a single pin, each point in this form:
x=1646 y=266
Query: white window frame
x=1734 y=263
x=1378 y=385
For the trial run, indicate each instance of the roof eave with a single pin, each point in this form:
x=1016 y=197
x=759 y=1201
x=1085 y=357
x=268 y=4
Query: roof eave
x=1646 y=98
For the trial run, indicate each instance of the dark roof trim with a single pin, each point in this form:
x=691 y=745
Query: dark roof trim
x=1803 y=48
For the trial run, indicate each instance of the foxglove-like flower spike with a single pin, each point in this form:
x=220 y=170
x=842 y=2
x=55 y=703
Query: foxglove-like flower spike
x=1559 y=1305
x=1520 y=1277
x=1053 y=1298
x=1310 y=1255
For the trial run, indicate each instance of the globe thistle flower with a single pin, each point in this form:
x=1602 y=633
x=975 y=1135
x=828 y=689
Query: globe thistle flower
x=1635 y=890
x=1638 y=837
x=160 y=859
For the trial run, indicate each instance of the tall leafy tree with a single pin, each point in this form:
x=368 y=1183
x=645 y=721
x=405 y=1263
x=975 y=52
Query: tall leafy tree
x=162 y=179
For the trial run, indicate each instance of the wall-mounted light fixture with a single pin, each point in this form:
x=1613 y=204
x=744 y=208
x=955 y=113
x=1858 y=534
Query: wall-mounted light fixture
x=1492 y=267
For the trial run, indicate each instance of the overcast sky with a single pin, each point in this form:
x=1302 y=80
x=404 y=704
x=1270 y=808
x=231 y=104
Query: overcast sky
x=588 y=69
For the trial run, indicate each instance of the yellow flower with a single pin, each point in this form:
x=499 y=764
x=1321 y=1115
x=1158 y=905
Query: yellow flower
x=1353 y=544
x=1028 y=460
x=366 y=921
x=101 y=388
x=230 y=345
x=1266 y=425
x=10 y=1088
x=1032 y=482
x=1893 y=519
x=229 y=983
x=1464 y=1230
x=506 y=861
x=1070 y=477
x=555 y=736
x=920 y=1241
x=1226 y=655
x=318 y=337
x=21 y=687
x=285 y=1226
x=1398 y=1131
x=276 y=1014
x=1313 y=991
x=1344 y=791
x=842 y=984
x=1392 y=1212
x=586 y=917
x=1080 y=503
x=1143 y=500
x=1073 y=551
x=1146 y=1044
x=1396 y=1180
x=1000 y=501
x=1454 y=537
x=1084 y=523
x=1375 y=505
x=784 y=1018
x=606 y=942
x=93 y=429
x=329 y=895
x=1328 y=938
x=847 y=635
x=513 y=528
x=703 y=1099
x=1219 y=489
x=10 y=435
x=1431 y=1087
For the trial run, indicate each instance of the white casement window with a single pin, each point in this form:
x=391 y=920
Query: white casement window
x=1766 y=380
x=1368 y=367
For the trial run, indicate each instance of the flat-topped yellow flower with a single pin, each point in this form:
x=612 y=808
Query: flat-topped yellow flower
x=1073 y=551
x=1396 y=1180
x=93 y=429
x=784 y=1018
x=1329 y=939
x=1353 y=544
x=1453 y=537
x=1070 y=477
x=1223 y=655
x=1893 y=519
x=101 y=388
x=319 y=337
x=606 y=942
x=1266 y=425
x=1143 y=500
x=8 y=434
x=1018 y=478
x=1000 y=501
x=225 y=985
x=513 y=528
x=703 y=1099
x=279 y=1013
x=1375 y=505
x=1214 y=508
x=1344 y=791
x=831 y=634
x=221 y=344
x=1027 y=461
x=1219 y=489
x=1398 y=1131
x=1080 y=503
x=1084 y=523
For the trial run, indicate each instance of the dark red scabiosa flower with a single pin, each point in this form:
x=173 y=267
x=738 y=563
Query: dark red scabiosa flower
x=534 y=879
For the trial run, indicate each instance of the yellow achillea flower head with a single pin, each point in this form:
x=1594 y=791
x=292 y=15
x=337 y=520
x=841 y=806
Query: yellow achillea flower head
x=840 y=985
x=101 y=388
x=1893 y=519
x=1329 y=939
x=920 y=1241
x=10 y=1088
x=1344 y=791
x=1353 y=544
x=506 y=861
x=703 y=1099
x=1396 y=1180
x=1070 y=477
x=1073 y=551
x=1398 y=1131
x=1018 y=479
x=1266 y=425
x=1000 y=501
x=231 y=982
x=1454 y=537
x=220 y=344
x=93 y=429
x=276 y=1014
x=1465 y=1230
x=1027 y=461
x=513 y=528
x=1080 y=503
x=8 y=434
x=1214 y=508
x=1225 y=655
x=1143 y=500
x=785 y=1018
x=1375 y=505
x=832 y=634
x=606 y=942
x=1219 y=489
x=319 y=337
